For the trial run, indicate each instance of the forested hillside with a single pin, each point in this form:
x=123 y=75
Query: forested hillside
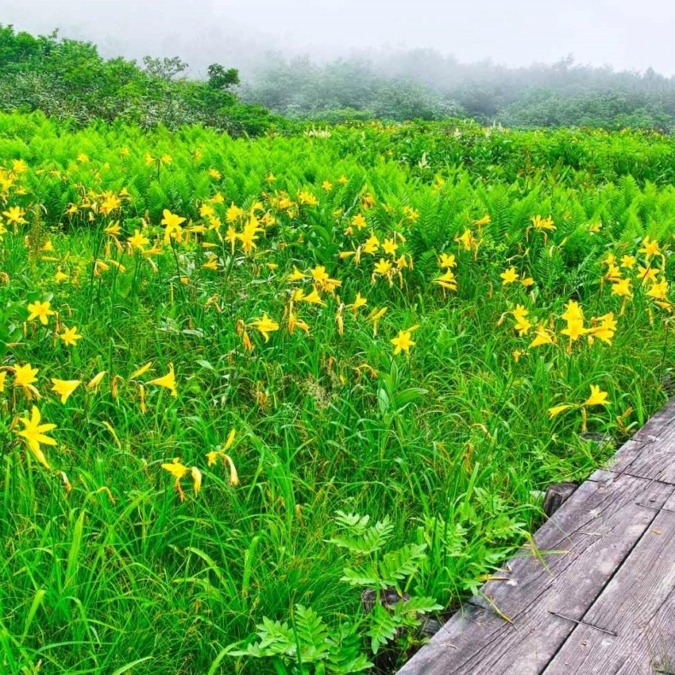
x=70 y=80
x=427 y=85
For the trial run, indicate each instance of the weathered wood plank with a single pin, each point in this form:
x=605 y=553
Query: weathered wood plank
x=650 y=453
x=556 y=495
x=658 y=642
x=670 y=504
x=593 y=533
x=631 y=638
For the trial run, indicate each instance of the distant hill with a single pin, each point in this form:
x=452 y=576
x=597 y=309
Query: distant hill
x=70 y=80
x=429 y=85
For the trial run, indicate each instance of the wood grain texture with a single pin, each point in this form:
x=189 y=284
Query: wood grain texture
x=650 y=453
x=634 y=608
x=581 y=546
x=596 y=594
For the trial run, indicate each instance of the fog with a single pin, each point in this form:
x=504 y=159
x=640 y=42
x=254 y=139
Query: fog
x=625 y=34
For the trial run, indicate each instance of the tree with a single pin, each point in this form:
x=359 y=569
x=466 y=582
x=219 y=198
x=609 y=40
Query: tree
x=222 y=79
x=164 y=69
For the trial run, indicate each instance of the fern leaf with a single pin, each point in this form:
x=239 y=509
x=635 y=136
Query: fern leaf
x=383 y=627
x=400 y=564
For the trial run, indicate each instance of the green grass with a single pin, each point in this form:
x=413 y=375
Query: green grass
x=451 y=443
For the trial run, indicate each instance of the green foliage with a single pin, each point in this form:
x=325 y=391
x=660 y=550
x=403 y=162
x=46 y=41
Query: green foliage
x=358 y=536
x=390 y=616
x=445 y=448
x=219 y=78
x=423 y=84
x=307 y=646
x=164 y=69
x=69 y=80
x=343 y=91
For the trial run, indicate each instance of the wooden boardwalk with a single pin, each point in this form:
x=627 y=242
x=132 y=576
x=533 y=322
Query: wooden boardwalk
x=603 y=599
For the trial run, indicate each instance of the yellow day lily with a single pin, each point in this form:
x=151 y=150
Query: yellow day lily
x=359 y=302
x=207 y=211
x=556 y=410
x=485 y=220
x=196 y=479
x=113 y=230
x=597 y=397
x=650 y=247
x=467 y=240
x=265 y=326
x=296 y=322
x=622 y=288
x=543 y=337
x=40 y=310
x=375 y=317
x=313 y=298
x=297 y=275
x=383 y=267
x=179 y=471
x=15 y=215
x=96 y=380
x=25 y=375
x=370 y=247
x=35 y=435
x=70 y=336
x=173 y=223
x=59 y=276
x=138 y=241
x=64 y=388
x=402 y=342
x=539 y=223
x=647 y=275
x=230 y=440
x=389 y=246
x=659 y=290
x=573 y=311
x=233 y=213
x=447 y=280
x=248 y=236
x=522 y=325
x=447 y=260
x=519 y=313
x=141 y=371
x=176 y=469
x=359 y=222
x=319 y=274
x=167 y=381
x=213 y=456
x=613 y=273
x=605 y=330
x=509 y=276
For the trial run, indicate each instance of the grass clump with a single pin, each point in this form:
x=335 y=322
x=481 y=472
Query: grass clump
x=268 y=405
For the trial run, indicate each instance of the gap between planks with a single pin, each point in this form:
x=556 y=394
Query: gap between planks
x=601 y=537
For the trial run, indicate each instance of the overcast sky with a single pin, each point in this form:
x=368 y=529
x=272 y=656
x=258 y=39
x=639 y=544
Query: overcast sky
x=627 y=34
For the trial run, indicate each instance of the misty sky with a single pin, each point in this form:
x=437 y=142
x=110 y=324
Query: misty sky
x=627 y=34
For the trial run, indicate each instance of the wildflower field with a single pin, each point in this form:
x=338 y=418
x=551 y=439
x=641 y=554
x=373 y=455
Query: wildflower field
x=269 y=405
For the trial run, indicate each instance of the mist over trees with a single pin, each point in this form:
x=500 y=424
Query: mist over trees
x=70 y=79
x=428 y=85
